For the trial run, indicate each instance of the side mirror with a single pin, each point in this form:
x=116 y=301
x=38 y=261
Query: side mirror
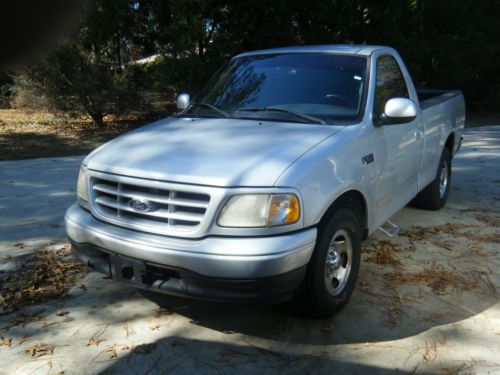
x=183 y=101
x=398 y=111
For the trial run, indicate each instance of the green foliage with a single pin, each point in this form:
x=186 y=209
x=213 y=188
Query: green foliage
x=446 y=43
x=69 y=80
x=87 y=73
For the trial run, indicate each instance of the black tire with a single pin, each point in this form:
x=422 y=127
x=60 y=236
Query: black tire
x=313 y=298
x=432 y=197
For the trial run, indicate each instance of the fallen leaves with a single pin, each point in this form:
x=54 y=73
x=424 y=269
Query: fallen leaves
x=35 y=133
x=154 y=326
x=144 y=349
x=47 y=324
x=465 y=231
x=438 y=279
x=47 y=274
x=23 y=319
x=127 y=329
x=385 y=253
x=327 y=328
x=39 y=350
x=23 y=339
x=112 y=350
x=430 y=350
x=442 y=244
x=5 y=341
x=465 y=242
x=494 y=221
x=95 y=341
x=163 y=311
x=463 y=369
x=62 y=312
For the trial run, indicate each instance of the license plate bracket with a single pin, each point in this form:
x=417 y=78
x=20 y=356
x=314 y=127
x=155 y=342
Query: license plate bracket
x=128 y=270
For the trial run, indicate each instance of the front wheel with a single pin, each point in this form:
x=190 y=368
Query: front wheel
x=434 y=196
x=333 y=268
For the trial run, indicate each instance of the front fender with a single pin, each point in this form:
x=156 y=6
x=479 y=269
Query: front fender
x=330 y=169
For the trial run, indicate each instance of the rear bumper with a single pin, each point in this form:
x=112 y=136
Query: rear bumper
x=216 y=268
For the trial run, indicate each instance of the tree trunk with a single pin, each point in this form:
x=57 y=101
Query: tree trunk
x=98 y=119
x=119 y=52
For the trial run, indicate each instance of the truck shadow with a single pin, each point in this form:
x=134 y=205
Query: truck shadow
x=366 y=318
x=271 y=338
x=178 y=355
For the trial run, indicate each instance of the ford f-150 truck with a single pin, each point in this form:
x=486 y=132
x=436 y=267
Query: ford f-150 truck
x=263 y=187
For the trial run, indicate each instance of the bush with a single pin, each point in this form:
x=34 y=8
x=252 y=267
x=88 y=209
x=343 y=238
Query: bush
x=73 y=81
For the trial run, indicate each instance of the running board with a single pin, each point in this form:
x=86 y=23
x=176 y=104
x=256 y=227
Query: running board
x=389 y=228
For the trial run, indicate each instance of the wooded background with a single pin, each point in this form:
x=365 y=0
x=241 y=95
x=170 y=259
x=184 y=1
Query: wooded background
x=446 y=44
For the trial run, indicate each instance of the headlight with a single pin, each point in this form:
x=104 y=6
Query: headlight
x=81 y=187
x=260 y=210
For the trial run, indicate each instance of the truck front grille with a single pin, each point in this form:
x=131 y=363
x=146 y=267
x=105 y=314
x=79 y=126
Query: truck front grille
x=150 y=208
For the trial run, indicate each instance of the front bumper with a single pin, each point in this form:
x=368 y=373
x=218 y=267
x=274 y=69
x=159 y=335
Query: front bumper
x=219 y=268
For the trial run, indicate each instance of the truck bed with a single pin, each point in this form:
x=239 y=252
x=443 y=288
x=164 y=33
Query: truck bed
x=431 y=97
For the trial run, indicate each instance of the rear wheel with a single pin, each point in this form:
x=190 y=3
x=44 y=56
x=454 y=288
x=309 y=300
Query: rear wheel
x=434 y=196
x=333 y=268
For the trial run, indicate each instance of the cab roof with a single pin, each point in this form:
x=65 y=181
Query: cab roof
x=350 y=49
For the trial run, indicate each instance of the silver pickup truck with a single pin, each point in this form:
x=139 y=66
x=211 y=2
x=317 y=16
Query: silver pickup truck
x=264 y=185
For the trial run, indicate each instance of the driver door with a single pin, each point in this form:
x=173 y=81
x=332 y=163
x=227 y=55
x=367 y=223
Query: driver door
x=396 y=146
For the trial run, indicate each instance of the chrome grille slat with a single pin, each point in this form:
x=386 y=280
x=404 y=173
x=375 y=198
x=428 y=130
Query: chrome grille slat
x=132 y=194
x=172 y=209
x=159 y=213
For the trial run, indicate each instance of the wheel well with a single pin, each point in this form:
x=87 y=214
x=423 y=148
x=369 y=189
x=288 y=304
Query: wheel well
x=450 y=143
x=351 y=199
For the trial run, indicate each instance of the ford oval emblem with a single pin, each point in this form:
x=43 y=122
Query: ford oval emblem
x=141 y=205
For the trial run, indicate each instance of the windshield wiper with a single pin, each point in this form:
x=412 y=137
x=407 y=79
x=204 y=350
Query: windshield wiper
x=210 y=106
x=312 y=119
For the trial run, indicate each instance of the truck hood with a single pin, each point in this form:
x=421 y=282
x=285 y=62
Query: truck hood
x=209 y=151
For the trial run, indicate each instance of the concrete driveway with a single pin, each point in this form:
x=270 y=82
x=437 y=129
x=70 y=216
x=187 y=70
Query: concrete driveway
x=427 y=301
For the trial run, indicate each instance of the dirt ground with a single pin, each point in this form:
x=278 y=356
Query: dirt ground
x=27 y=135
x=427 y=301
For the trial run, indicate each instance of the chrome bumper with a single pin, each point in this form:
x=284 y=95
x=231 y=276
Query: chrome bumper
x=221 y=257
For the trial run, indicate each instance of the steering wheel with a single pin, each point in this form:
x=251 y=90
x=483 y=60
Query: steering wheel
x=341 y=98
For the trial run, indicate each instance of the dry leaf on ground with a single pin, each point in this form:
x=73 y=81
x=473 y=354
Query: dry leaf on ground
x=62 y=312
x=145 y=349
x=23 y=339
x=95 y=341
x=385 y=253
x=39 y=350
x=112 y=351
x=439 y=280
x=47 y=274
x=4 y=341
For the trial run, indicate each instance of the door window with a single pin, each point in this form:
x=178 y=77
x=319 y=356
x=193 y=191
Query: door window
x=390 y=83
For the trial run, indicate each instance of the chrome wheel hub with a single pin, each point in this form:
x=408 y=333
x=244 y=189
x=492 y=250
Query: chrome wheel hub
x=443 y=180
x=338 y=262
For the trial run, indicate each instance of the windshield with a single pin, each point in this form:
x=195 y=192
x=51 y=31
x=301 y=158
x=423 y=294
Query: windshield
x=296 y=87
